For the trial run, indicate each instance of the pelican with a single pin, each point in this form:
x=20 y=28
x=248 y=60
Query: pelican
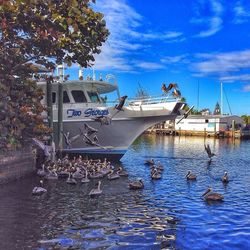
x=113 y=176
x=71 y=180
x=41 y=172
x=155 y=175
x=136 y=184
x=96 y=191
x=52 y=175
x=208 y=196
x=208 y=150
x=190 y=176
x=39 y=190
x=77 y=174
x=150 y=162
x=85 y=179
x=225 y=178
x=122 y=172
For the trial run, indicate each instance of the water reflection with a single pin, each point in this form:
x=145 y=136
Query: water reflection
x=168 y=213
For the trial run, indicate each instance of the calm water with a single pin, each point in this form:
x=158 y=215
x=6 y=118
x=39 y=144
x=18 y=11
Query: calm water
x=168 y=213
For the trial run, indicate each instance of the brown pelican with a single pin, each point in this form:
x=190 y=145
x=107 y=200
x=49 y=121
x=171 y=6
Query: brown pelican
x=136 y=184
x=68 y=140
x=208 y=150
x=96 y=191
x=39 y=190
x=77 y=174
x=190 y=176
x=121 y=103
x=155 y=175
x=52 y=175
x=113 y=176
x=122 y=172
x=169 y=87
x=85 y=179
x=225 y=178
x=149 y=162
x=41 y=172
x=71 y=180
x=208 y=196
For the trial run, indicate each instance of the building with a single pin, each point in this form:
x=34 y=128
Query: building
x=208 y=123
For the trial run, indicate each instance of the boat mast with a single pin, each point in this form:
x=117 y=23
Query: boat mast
x=221 y=98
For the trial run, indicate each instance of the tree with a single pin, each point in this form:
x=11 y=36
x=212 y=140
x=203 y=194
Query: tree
x=46 y=33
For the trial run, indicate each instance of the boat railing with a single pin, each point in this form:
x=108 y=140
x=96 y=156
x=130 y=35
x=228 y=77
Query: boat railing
x=151 y=100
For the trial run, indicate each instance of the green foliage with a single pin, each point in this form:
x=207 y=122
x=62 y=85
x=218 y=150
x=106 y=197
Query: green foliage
x=246 y=119
x=47 y=33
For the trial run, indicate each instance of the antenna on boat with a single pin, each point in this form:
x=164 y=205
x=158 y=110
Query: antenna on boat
x=80 y=73
x=60 y=71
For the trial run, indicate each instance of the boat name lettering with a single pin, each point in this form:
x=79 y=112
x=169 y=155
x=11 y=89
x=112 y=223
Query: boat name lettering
x=73 y=112
x=95 y=112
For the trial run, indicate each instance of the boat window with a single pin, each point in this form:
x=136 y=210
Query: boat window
x=93 y=97
x=78 y=96
x=53 y=97
x=65 y=97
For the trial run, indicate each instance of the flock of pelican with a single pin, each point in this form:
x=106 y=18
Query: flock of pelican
x=77 y=170
x=156 y=170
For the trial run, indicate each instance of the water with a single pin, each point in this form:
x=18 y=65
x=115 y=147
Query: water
x=168 y=213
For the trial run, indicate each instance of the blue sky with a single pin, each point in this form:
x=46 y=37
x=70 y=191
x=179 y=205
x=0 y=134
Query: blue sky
x=190 y=42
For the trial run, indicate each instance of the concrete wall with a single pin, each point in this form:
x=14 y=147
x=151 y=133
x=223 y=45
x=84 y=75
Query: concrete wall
x=17 y=164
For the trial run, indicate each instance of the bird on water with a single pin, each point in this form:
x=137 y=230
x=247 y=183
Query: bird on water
x=190 y=176
x=96 y=191
x=209 y=196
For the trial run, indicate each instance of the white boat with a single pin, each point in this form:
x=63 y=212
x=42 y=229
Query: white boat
x=93 y=126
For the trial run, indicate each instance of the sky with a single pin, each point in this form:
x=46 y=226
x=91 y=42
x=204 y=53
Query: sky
x=195 y=43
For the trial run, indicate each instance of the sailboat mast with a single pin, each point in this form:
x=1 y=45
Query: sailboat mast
x=221 y=98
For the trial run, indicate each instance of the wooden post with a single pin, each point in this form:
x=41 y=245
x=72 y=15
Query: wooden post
x=233 y=128
x=49 y=106
x=60 y=118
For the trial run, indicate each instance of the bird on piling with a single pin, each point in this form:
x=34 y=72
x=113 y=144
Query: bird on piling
x=225 y=178
x=208 y=196
x=39 y=190
x=190 y=176
x=96 y=191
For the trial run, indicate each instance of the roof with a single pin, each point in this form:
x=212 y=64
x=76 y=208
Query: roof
x=101 y=86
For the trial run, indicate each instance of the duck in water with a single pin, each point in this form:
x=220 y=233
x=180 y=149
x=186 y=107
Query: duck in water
x=96 y=191
x=208 y=196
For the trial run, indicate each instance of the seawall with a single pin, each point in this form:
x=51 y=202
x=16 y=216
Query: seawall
x=17 y=164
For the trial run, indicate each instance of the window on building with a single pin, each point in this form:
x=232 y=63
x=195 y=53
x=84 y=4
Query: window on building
x=93 y=97
x=53 y=97
x=206 y=121
x=78 y=96
x=65 y=97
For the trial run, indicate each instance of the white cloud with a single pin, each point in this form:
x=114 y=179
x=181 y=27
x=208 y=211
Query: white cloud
x=242 y=14
x=213 y=22
x=234 y=78
x=246 y=88
x=125 y=40
x=149 y=65
x=220 y=64
x=175 y=59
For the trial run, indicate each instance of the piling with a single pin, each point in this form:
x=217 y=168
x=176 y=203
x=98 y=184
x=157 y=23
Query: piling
x=49 y=106
x=60 y=118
